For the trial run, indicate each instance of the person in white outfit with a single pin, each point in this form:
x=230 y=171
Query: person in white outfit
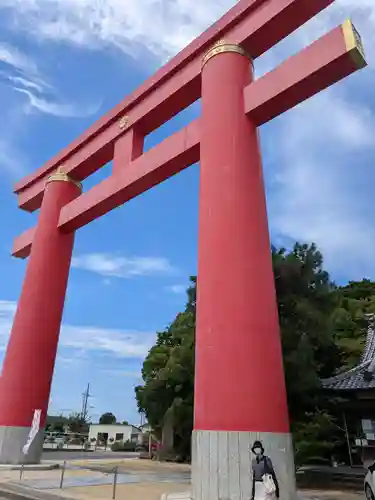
x=265 y=485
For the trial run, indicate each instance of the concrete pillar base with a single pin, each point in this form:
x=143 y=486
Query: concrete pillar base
x=189 y=496
x=13 y=439
x=177 y=496
x=221 y=464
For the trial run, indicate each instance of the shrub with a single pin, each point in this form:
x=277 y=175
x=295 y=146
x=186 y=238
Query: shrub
x=315 y=439
x=77 y=441
x=123 y=446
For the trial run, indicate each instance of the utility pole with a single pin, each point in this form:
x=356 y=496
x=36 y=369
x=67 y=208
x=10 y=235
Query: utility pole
x=143 y=418
x=85 y=399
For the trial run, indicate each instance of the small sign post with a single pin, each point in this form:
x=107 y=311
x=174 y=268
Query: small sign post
x=35 y=426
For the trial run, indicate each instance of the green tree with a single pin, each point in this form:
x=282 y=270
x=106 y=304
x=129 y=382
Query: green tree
x=56 y=423
x=168 y=374
x=107 y=419
x=306 y=303
x=78 y=424
x=316 y=438
x=315 y=315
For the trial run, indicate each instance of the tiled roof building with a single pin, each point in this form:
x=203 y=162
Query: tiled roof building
x=361 y=376
x=357 y=390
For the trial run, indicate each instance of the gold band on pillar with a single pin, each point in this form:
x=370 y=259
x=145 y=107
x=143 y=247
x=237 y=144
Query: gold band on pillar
x=61 y=176
x=221 y=47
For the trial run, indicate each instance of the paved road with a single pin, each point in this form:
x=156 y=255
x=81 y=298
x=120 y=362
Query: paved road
x=84 y=455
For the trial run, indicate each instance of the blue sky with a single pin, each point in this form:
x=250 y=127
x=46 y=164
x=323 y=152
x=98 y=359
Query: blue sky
x=63 y=63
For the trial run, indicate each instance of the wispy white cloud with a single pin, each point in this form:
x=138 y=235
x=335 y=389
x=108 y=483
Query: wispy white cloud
x=317 y=189
x=35 y=84
x=318 y=166
x=122 y=373
x=121 y=23
x=12 y=161
x=176 y=289
x=119 y=343
x=321 y=173
x=22 y=75
x=126 y=25
x=69 y=110
x=11 y=56
x=84 y=340
x=20 y=71
x=123 y=267
x=7 y=311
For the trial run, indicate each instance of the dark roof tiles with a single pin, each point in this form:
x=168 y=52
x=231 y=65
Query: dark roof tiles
x=363 y=375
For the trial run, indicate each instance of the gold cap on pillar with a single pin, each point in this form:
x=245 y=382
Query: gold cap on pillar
x=354 y=45
x=221 y=47
x=60 y=176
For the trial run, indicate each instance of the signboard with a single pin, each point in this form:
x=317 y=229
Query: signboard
x=361 y=442
x=33 y=431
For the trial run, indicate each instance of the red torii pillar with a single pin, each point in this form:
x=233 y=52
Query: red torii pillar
x=32 y=347
x=240 y=391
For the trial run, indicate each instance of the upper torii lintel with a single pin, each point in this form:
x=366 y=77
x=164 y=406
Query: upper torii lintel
x=328 y=60
x=257 y=25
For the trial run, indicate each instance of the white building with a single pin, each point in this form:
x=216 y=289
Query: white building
x=113 y=432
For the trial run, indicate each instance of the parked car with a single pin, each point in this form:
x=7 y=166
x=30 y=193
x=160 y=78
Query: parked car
x=370 y=483
x=144 y=447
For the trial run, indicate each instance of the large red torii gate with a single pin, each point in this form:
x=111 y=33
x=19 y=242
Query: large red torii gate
x=239 y=384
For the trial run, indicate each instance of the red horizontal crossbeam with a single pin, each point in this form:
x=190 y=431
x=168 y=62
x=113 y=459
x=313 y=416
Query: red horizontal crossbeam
x=165 y=160
x=255 y=24
x=172 y=155
x=323 y=63
x=22 y=244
